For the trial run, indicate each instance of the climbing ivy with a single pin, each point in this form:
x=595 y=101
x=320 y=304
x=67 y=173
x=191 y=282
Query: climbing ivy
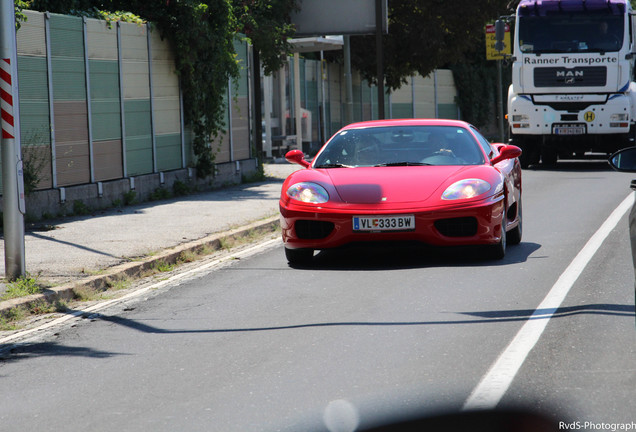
x=202 y=37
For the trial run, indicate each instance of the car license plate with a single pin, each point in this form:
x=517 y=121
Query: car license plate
x=384 y=223
x=568 y=129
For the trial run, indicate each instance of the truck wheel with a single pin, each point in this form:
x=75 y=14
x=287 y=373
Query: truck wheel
x=531 y=151
x=549 y=156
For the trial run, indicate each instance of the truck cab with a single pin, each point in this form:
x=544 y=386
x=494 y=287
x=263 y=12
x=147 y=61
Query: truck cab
x=572 y=87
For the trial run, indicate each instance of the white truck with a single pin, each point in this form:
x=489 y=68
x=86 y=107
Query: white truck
x=572 y=87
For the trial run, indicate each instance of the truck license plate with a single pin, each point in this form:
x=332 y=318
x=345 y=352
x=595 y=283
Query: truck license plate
x=384 y=223
x=568 y=129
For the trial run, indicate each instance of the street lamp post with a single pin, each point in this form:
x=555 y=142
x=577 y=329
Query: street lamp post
x=12 y=174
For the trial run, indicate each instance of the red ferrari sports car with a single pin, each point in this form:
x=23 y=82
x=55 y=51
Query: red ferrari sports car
x=439 y=182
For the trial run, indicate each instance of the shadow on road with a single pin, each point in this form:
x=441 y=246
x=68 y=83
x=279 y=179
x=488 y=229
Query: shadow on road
x=15 y=352
x=579 y=165
x=12 y=353
x=382 y=257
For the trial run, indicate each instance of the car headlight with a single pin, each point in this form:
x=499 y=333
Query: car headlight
x=308 y=193
x=464 y=189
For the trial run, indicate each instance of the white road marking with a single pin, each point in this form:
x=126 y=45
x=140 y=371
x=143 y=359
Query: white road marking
x=26 y=334
x=496 y=382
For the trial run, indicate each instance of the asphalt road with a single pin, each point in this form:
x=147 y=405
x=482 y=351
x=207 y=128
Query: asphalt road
x=257 y=346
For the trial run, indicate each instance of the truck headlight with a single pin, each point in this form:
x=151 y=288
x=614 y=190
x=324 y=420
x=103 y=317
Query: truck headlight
x=619 y=117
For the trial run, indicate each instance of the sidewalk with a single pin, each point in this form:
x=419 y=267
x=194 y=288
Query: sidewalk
x=72 y=250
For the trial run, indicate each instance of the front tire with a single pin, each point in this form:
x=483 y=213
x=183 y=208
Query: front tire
x=498 y=251
x=514 y=235
x=299 y=256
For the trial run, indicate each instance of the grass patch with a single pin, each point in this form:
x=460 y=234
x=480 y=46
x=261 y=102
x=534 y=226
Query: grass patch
x=85 y=293
x=117 y=284
x=162 y=266
x=12 y=318
x=187 y=256
x=22 y=287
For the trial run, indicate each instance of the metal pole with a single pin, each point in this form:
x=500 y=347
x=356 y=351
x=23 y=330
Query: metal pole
x=380 y=57
x=298 y=108
x=12 y=175
x=435 y=101
x=323 y=76
x=500 y=113
x=348 y=80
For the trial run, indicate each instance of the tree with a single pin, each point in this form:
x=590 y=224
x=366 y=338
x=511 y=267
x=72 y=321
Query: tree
x=425 y=35
x=267 y=25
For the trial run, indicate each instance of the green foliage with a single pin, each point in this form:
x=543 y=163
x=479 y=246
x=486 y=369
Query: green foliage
x=130 y=197
x=476 y=83
x=80 y=208
x=35 y=161
x=160 y=194
x=267 y=25
x=20 y=17
x=22 y=287
x=425 y=35
x=180 y=188
x=202 y=38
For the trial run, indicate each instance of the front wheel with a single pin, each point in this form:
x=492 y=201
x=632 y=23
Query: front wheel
x=498 y=251
x=514 y=235
x=299 y=256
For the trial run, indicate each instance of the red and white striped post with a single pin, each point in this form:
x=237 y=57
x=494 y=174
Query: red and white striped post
x=12 y=175
x=6 y=96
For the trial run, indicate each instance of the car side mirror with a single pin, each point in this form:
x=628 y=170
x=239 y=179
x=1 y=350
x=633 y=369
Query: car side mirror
x=297 y=157
x=624 y=160
x=506 y=152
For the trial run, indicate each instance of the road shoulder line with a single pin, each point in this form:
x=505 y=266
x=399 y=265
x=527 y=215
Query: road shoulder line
x=499 y=377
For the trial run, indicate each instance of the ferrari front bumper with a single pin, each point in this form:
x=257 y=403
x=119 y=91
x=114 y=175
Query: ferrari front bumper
x=474 y=223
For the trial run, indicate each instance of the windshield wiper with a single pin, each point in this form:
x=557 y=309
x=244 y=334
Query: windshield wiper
x=333 y=165
x=402 y=164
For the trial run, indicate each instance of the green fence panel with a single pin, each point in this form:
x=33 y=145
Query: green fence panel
x=447 y=111
x=168 y=152
x=67 y=36
x=69 y=79
x=139 y=155
x=104 y=76
x=33 y=80
x=106 y=119
x=402 y=110
x=137 y=118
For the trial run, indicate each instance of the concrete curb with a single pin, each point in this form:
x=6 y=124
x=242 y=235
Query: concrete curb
x=136 y=269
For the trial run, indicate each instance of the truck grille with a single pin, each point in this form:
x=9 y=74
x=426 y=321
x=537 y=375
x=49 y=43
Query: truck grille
x=592 y=76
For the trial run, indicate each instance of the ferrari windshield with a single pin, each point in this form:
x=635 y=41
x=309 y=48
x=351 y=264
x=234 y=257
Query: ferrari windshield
x=401 y=146
x=571 y=32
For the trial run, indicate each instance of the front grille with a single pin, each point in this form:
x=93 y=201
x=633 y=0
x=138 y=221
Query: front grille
x=567 y=106
x=313 y=230
x=591 y=76
x=457 y=227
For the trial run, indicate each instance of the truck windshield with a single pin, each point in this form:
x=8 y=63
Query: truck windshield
x=571 y=32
